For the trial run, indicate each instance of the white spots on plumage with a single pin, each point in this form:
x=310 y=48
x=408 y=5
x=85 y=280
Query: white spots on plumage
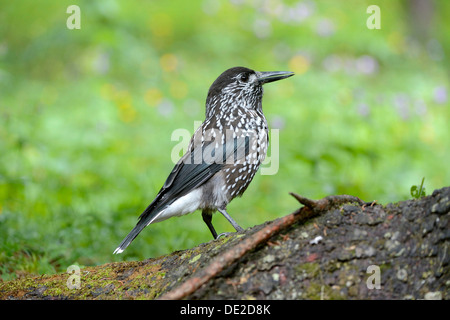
x=235 y=113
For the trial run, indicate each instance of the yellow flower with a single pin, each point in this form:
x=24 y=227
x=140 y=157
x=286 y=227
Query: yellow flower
x=168 y=62
x=299 y=64
x=153 y=97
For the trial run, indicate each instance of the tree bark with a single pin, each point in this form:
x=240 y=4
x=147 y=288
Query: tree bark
x=338 y=247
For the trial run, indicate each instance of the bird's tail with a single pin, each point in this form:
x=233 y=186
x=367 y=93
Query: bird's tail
x=147 y=217
x=130 y=237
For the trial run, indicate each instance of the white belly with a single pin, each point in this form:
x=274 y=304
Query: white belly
x=186 y=204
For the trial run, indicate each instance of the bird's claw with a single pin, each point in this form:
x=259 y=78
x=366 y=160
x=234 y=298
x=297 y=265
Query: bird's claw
x=224 y=234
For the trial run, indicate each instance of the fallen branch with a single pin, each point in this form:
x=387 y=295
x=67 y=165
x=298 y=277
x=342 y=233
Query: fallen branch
x=330 y=201
x=311 y=208
x=286 y=259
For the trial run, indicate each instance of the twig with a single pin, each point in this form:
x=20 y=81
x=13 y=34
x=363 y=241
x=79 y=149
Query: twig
x=328 y=202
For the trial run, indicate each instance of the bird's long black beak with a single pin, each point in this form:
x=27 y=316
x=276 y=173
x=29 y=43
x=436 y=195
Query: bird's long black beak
x=269 y=76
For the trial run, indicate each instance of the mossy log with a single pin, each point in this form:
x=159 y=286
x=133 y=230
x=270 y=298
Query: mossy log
x=334 y=248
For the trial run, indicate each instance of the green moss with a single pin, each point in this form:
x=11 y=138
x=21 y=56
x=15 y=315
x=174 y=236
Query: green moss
x=311 y=270
x=319 y=291
x=332 y=266
x=194 y=259
x=101 y=280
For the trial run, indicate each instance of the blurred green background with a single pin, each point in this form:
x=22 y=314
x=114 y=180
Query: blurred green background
x=86 y=116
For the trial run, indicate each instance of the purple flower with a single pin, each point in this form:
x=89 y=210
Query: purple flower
x=363 y=109
x=440 y=95
x=166 y=107
x=401 y=102
x=325 y=28
x=367 y=64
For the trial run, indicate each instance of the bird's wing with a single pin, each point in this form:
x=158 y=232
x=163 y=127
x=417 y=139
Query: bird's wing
x=197 y=166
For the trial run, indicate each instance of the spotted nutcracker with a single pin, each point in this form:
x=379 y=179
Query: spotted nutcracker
x=223 y=155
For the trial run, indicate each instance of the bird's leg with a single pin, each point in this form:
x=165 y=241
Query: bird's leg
x=207 y=217
x=230 y=219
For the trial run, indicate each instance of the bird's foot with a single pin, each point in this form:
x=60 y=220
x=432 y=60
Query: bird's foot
x=226 y=234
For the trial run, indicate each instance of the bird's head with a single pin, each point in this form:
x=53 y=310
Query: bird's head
x=241 y=86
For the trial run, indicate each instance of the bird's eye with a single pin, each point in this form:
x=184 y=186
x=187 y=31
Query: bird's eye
x=244 y=77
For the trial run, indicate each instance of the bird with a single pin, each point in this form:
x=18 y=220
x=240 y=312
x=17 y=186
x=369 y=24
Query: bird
x=223 y=154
